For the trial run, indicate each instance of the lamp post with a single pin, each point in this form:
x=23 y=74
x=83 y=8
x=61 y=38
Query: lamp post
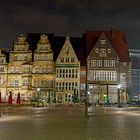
x=38 y=89
x=75 y=95
x=86 y=104
x=48 y=97
x=119 y=86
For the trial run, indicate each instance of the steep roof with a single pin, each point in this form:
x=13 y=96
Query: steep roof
x=77 y=44
x=116 y=38
x=83 y=45
x=57 y=43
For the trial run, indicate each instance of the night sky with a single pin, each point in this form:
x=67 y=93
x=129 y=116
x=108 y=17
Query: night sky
x=72 y=17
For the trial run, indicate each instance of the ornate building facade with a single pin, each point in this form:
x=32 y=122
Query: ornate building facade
x=3 y=75
x=108 y=66
x=67 y=74
x=63 y=69
x=43 y=70
x=19 y=74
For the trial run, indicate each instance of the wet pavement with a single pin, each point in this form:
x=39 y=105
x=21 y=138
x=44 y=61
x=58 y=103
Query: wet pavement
x=28 y=123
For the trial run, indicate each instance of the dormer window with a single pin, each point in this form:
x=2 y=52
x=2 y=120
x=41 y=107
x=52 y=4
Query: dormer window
x=97 y=50
x=61 y=59
x=41 y=48
x=103 y=50
x=67 y=50
x=103 y=41
x=1 y=61
x=72 y=59
x=67 y=59
x=109 y=50
x=124 y=63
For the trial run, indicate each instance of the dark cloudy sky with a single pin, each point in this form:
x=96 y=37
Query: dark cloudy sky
x=68 y=16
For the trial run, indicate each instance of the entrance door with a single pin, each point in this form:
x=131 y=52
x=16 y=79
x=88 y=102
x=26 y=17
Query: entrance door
x=59 y=98
x=105 y=98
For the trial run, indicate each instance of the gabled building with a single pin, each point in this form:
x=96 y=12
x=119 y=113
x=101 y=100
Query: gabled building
x=3 y=75
x=20 y=69
x=43 y=70
x=55 y=68
x=108 y=65
x=67 y=82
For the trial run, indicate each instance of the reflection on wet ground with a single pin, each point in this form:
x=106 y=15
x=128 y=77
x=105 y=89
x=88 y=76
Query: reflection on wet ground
x=70 y=124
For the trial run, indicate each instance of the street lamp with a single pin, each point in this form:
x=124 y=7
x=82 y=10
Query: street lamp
x=119 y=86
x=38 y=89
x=48 y=97
x=86 y=104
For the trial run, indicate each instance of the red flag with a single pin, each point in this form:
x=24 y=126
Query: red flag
x=18 y=99
x=10 y=98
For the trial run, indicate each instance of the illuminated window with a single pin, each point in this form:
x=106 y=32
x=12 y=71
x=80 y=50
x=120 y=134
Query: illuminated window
x=83 y=74
x=106 y=63
x=109 y=50
x=46 y=47
x=75 y=85
x=67 y=59
x=93 y=62
x=27 y=69
x=124 y=63
x=72 y=59
x=25 y=58
x=25 y=82
x=103 y=75
x=37 y=57
x=41 y=48
x=21 y=57
x=16 y=69
x=36 y=83
x=99 y=63
x=44 y=83
x=82 y=86
x=50 y=83
x=42 y=57
x=103 y=41
x=97 y=50
x=11 y=83
x=61 y=59
x=1 y=61
x=49 y=70
x=1 y=69
x=37 y=70
x=112 y=63
x=103 y=50
x=16 y=83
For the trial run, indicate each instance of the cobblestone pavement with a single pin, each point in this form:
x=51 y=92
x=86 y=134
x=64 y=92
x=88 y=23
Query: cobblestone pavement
x=26 y=123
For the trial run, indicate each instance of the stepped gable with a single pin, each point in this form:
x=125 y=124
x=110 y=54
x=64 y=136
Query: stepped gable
x=33 y=39
x=57 y=43
x=116 y=38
